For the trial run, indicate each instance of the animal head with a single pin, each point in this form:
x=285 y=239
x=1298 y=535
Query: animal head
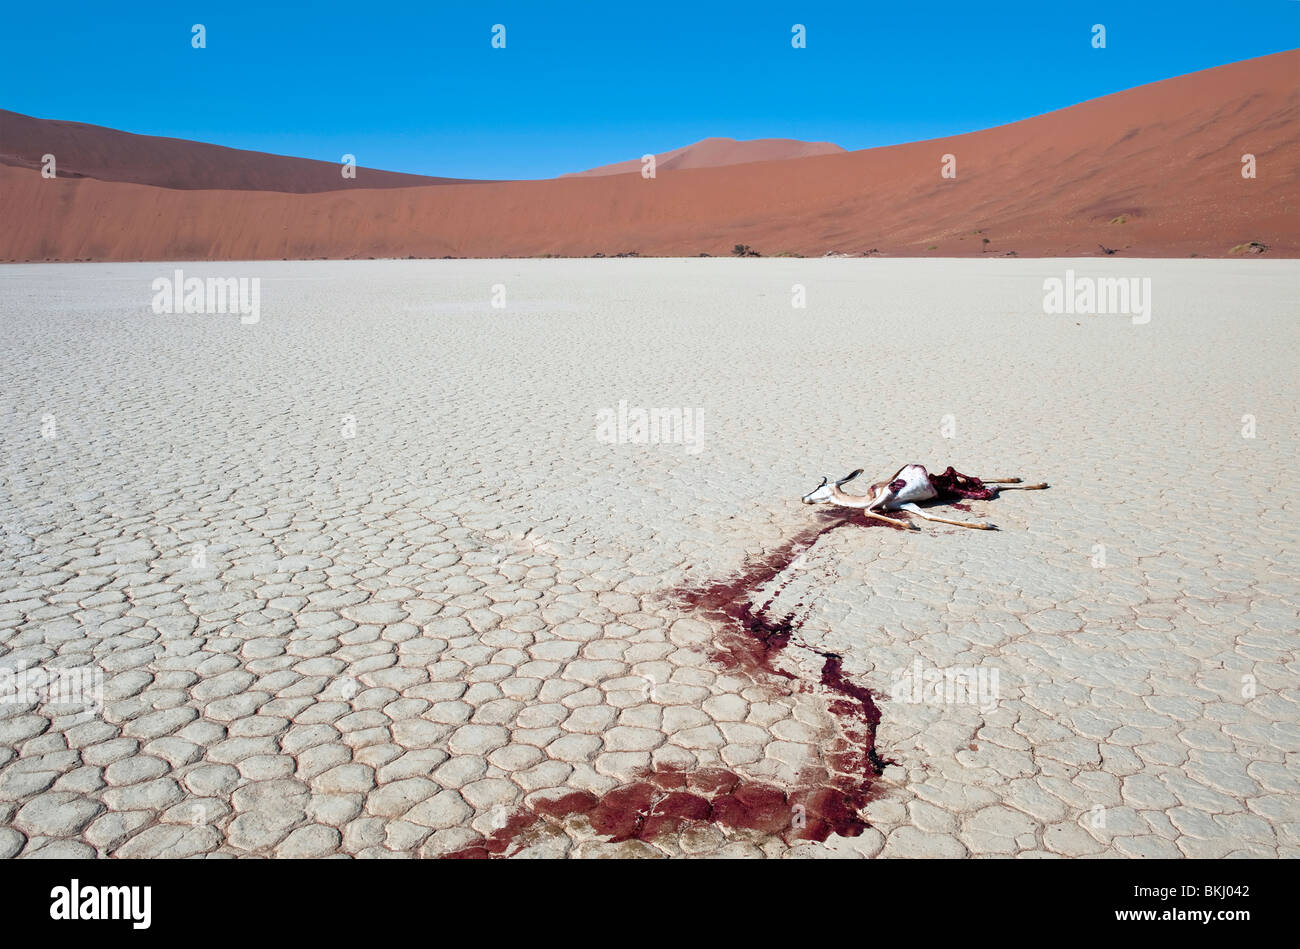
x=823 y=491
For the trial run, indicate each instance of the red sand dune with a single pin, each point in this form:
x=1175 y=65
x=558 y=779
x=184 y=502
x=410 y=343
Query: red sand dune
x=716 y=152
x=92 y=151
x=1152 y=171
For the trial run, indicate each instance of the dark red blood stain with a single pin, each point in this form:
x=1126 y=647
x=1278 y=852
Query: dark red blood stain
x=749 y=638
x=469 y=853
x=645 y=811
x=684 y=805
x=671 y=813
x=665 y=801
x=499 y=841
x=669 y=779
x=952 y=484
x=858 y=703
x=579 y=802
x=832 y=810
x=756 y=807
x=622 y=811
x=712 y=781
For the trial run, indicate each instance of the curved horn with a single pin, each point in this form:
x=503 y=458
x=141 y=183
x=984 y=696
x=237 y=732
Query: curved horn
x=848 y=477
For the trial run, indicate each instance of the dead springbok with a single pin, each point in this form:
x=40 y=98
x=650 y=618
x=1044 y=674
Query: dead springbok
x=910 y=484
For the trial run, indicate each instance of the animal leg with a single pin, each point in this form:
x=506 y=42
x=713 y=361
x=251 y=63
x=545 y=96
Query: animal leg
x=1021 y=487
x=976 y=525
x=889 y=520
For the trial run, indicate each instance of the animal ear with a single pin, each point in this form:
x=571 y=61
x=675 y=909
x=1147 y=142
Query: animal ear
x=849 y=477
x=824 y=480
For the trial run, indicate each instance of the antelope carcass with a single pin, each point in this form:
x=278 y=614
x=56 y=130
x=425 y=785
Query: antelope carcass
x=912 y=484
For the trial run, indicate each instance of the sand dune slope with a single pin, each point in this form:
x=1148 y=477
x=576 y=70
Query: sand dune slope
x=92 y=151
x=1151 y=171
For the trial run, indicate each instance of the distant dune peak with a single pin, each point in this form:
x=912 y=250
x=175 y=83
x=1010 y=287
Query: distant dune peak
x=715 y=152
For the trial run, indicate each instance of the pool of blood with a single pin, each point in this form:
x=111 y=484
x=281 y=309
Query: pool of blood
x=825 y=801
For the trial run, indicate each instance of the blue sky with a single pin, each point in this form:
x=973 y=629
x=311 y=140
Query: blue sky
x=417 y=87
